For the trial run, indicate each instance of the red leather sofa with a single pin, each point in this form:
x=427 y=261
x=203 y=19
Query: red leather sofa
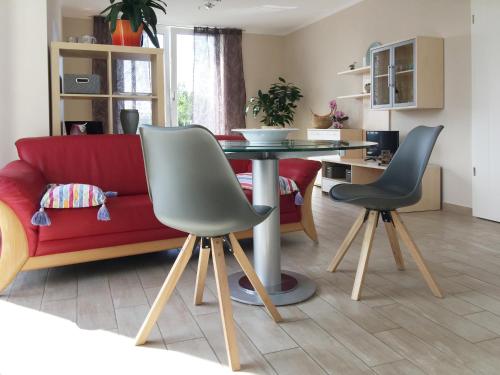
x=113 y=163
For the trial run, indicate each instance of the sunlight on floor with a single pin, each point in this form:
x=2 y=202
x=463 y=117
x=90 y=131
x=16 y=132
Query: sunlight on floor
x=33 y=342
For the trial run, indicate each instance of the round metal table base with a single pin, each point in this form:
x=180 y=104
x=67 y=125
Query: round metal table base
x=303 y=288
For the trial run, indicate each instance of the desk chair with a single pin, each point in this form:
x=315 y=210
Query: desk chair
x=193 y=189
x=399 y=186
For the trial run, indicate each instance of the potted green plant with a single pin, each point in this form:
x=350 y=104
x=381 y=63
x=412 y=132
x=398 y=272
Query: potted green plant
x=278 y=104
x=129 y=18
x=278 y=107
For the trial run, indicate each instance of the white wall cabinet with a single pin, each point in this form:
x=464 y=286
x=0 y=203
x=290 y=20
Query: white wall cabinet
x=485 y=51
x=408 y=74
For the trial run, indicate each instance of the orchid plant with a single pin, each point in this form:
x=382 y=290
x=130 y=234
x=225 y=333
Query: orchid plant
x=338 y=117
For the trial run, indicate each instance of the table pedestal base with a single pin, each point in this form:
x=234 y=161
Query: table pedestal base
x=294 y=288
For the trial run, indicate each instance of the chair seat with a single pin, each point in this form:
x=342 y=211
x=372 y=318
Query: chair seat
x=372 y=196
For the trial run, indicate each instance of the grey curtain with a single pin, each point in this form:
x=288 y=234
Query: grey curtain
x=219 y=95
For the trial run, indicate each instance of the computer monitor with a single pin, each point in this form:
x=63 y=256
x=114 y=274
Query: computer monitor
x=386 y=140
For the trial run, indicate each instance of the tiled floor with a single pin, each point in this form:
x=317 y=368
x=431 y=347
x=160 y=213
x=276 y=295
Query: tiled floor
x=398 y=328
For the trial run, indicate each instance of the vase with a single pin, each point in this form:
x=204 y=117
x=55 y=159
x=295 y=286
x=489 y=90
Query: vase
x=129 y=119
x=125 y=36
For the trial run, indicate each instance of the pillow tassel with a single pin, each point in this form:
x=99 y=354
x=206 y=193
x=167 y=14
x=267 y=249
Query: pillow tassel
x=299 y=200
x=41 y=218
x=103 y=213
x=111 y=194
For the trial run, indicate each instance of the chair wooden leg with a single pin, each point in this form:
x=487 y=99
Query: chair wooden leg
x=365 y=254
x=341 y=252
x=226 y=309
x=201 y=275
x=415 y=253
x=393 y=240
x=254 y=279
x=166 y=290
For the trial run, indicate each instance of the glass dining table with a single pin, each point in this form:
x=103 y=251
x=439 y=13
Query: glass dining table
x=284 y=287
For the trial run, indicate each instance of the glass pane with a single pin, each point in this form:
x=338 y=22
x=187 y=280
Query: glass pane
x=404 y=74
x=380 y=85
x=184 y=89
x=403 y=57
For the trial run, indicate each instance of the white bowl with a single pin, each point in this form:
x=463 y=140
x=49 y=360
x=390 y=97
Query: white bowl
x=265 y=135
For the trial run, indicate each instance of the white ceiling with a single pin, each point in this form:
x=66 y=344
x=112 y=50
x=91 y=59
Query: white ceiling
x=277 y=17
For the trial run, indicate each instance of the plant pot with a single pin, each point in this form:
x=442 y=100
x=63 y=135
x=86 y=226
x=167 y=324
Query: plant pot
x=129 y=119
x=269 y=134
x=125 y=36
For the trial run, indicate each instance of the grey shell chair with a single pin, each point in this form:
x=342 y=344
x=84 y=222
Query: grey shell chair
x=193 y=189
x=399 y=186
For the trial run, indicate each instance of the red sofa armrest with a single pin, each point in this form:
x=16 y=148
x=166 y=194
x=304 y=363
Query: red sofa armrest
x=302 y=171
x=21 y=187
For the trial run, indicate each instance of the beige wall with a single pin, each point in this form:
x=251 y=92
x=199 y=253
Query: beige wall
x=315 y=54
x=24 y=97
x=263 y=63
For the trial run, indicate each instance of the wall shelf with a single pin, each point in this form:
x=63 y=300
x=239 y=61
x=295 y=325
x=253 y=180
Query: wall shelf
x=357 y=71
x=355 y=96
x=415 y=79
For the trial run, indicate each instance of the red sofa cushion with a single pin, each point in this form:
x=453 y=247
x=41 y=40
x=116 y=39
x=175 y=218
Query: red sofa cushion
x=111 y=162
x=133 y=213
x=106 y=240
x=128 y=213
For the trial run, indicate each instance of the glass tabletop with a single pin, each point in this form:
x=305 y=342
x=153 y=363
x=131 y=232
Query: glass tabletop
x=292 y=146
x=288 y=149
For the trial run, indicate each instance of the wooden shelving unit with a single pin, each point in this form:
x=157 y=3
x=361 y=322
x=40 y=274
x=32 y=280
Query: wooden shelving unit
x=61 y=50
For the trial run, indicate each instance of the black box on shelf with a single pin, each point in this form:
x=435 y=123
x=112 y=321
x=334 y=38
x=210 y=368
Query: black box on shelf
x=335 y=171
x=83 y=127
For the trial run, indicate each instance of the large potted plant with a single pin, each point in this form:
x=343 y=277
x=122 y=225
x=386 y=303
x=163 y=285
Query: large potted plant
x=129 y=18
x=278 y=109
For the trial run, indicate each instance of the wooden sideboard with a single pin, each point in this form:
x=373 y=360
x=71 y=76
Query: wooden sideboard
x=364 y=172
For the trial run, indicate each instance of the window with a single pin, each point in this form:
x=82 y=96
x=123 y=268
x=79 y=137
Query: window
x=136 y=78
x=181 y=76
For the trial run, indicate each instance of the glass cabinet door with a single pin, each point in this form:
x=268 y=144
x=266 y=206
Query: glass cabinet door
x=403 y=74
x=380 y=68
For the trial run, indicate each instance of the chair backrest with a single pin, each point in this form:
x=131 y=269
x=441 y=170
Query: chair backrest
x=189 y=178
x=404 y=173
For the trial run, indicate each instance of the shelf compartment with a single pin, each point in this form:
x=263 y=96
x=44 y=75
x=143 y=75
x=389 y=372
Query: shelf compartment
x=362 y=70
